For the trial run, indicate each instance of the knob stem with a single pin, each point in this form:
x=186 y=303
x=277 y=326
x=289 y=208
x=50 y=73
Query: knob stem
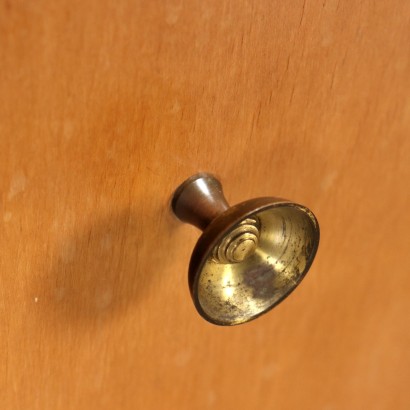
x=199 y=200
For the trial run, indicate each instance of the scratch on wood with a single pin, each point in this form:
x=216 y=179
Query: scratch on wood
x=303 y=13
x=291 y=95
x=259 y=112
x=333 y=77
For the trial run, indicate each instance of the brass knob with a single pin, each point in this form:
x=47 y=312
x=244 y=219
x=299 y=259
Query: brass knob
x=250 y=256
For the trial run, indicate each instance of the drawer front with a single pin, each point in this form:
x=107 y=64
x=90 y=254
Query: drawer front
x=107 y=106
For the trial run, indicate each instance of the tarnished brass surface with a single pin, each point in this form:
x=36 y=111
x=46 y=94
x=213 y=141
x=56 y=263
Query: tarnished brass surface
x=250 y=256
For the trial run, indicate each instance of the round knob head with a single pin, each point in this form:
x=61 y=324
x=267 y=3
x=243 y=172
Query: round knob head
x=250 y=257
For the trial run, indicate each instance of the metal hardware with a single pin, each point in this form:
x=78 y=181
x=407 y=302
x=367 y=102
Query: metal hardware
x=250 y=256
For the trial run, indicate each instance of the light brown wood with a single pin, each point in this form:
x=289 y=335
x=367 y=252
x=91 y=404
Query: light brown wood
x=106 y=106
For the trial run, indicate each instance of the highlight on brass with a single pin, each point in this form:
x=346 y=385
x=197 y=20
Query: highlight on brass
x=250 y=256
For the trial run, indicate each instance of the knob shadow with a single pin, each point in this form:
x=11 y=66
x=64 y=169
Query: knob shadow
x=98 y=272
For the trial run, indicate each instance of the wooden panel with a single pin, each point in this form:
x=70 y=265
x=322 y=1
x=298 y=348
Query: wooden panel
x=106 y=106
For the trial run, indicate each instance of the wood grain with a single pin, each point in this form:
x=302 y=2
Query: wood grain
x=106 y=106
